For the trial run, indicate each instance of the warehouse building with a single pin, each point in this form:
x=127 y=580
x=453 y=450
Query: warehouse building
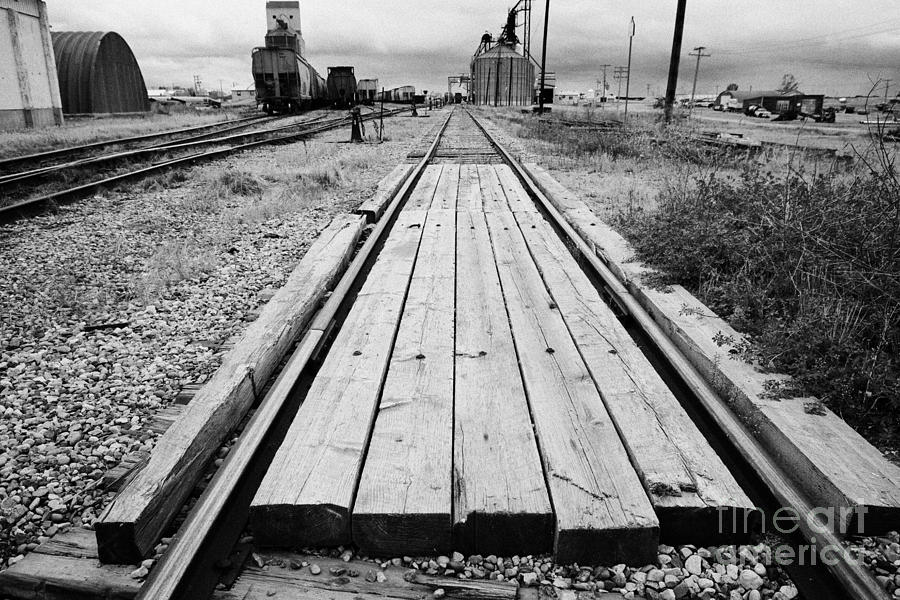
x=776 y=102
x=29 y=89
x=98 y=74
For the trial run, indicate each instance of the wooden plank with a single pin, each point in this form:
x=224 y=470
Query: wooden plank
x=602 y=511
x=469 y=189
x=59 y=577
x=695 y=496
x=516 y=196
x=447 y=188
x=501 y=505
x=374 y=207
x=403 y=503
x=306 y=495
x=836 y=466
x=299 y=584
x=423 y=194
x=136 y=518
x=492 y=196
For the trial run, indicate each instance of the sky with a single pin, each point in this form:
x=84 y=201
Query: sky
x=838 y=48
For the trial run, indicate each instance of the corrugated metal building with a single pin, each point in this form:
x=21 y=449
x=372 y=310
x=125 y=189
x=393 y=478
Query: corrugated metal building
x=98 y=74
x=502 y=77
x=29 y=89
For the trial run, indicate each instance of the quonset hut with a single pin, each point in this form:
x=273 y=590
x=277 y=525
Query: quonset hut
x=29 y=89
x=98 y=74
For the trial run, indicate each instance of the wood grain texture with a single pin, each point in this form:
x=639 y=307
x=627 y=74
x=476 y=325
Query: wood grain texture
x=692 y=491
x=306 y=495
x=136 y=518
x=501 y=503
x=469 y=189
x=51 y=577
x=403 y=503
x=492 y=196
x=422 y=195
x=516 y=196
x=603 y=514
x=835 y=465
x=447 y=188
x=374 y=207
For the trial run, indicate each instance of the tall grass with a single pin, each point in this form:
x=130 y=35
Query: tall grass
x=807 y=264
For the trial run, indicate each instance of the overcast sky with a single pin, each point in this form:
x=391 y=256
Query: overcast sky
x=830 y=46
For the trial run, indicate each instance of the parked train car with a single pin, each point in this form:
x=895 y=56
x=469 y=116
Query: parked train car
x=341 y=86
x=401 y=95
x=285 y=82
x=366 y=89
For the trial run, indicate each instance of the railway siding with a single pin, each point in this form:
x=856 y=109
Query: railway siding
x=836 y=467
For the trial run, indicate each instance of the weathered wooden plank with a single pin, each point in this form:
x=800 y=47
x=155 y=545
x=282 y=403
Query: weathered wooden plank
x=602 y=511
x=423 y=194
x=501 y=504
x=374 y=207
x=403 y=503
x=516 y=196
x=290 y=584
x=59 y=577
x=134 y=521
x=306 y=495
x=694 y=495
x=836 y=467
x=469 y=189
x=492 y=196
x=447 y=188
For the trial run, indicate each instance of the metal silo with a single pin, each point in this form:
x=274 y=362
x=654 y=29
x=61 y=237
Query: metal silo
x=502 y=77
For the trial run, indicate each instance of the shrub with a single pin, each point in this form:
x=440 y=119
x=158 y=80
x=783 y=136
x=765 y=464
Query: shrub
x=807 y=265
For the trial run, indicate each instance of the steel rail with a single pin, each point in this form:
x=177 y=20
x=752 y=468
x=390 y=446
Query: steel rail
x=167 y=580
x=4 y=163
x=202 y=140
x=858 y=582
x=22 y=208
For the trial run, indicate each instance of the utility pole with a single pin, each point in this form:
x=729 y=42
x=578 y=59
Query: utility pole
x=619 y=73
x=544 y=60
x=887 y=83
x=676 y=57
x=699 y=54
x=603 y=91
x=648 y=90
x=628 y=80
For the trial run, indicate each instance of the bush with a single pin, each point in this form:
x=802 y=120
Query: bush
x=807 y=266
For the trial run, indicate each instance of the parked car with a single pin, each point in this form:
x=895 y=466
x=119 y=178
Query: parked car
x=762 y=113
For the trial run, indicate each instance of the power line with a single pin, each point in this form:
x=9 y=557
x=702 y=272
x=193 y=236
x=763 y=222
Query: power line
x=812 y=42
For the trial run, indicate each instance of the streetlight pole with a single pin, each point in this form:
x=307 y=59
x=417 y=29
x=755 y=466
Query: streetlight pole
x=544 y=60
x=676 y=57
x=628 y=80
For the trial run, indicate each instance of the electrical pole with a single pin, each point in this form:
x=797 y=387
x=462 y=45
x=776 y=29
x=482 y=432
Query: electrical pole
x=648 y=90
x=699 y=54
x=887 y=83
x=676 y=57
x=603 y=91
x=628 y=80
x=619 y=73
x=544 y=60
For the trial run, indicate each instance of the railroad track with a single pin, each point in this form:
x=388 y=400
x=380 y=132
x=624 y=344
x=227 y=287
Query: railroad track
x=17 y=187
x=8 y=165
x=463 y=385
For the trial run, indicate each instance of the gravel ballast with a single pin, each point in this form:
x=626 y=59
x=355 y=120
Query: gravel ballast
x=111 y=305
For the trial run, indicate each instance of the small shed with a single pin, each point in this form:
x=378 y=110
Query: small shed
x=98 y=74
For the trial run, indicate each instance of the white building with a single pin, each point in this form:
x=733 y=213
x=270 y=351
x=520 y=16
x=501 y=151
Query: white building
x=245 y=94
x=29 y=87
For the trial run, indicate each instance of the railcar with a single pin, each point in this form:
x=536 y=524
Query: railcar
x=341 y=86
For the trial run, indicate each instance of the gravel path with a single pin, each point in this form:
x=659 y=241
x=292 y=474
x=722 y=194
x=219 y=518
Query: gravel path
x=175 y=262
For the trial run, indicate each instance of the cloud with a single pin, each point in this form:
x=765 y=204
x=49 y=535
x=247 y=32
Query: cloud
x=421 y=43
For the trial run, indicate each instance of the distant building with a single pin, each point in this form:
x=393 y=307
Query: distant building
x=29 y=88
x=773 y=101
x=247 y=94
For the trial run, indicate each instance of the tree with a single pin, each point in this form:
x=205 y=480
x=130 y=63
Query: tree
x=789 y=84
x=732 y=87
